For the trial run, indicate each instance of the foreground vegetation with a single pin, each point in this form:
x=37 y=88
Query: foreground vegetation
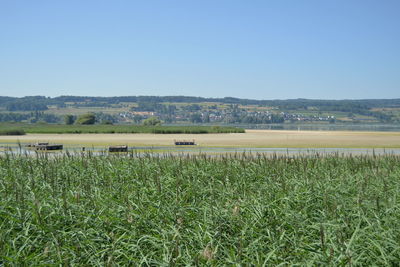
x=108 y=210
x=18 y=129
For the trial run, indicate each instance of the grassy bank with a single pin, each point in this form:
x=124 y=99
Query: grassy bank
x=112 y=210
x=10 y=131
x=62 y=129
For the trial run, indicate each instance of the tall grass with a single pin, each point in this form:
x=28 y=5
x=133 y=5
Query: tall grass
x=166 y=210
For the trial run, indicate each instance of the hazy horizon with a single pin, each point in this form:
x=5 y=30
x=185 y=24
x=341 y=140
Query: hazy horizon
x=206 y=97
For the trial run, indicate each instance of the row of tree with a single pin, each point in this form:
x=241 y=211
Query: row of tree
x=32 y=117
x=26 y=106
x=90 y=118
x=289 y=104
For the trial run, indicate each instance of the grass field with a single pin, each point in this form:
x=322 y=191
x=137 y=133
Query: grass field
x=79 y=129
x=149 y=211
x=252 y=138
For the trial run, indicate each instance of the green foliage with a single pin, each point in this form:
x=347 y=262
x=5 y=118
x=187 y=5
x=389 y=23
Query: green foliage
x=192 y=108
x=86 y=119
x=149 y=106
x=69 y=119
x=105 y=118
x=31 y=117
x=181 y=109
x=234 y=210
x=60 y=129
x=172 y=109
x=12 y=132
x=14 y=117
x=196 y=118
x=152 y=121
x=106 y=122
x=25 y=106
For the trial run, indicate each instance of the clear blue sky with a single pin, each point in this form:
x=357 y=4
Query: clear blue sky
x=279 y=49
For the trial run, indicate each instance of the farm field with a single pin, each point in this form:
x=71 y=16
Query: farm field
x=252 y=138
x=160 y=211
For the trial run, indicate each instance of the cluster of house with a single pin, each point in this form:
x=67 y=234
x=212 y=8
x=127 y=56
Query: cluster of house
x=225 y=116
x=302 y=117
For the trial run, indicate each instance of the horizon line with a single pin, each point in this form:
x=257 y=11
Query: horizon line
x=225 y=97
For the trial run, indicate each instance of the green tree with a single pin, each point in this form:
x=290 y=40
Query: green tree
x=152 y=121
x=69 y=119
x=196 y=118
x=106 y=122
x=88 y=118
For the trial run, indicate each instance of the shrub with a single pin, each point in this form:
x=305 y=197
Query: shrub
x=152 y=121
x=88 y=118
x=12 y=132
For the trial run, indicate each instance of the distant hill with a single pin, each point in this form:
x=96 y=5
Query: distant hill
x=190 y=109
x=287 y=104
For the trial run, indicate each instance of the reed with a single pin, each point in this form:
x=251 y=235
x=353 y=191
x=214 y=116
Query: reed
x=142 y=209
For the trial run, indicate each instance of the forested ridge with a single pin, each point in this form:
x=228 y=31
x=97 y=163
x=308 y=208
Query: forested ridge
x=38 y=102
x=189 y=109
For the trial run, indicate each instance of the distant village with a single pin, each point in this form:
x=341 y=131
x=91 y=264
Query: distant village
x=196 y=110
x=230 y=115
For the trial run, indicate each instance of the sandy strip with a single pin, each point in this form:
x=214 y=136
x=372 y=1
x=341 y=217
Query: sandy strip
x=252 y=138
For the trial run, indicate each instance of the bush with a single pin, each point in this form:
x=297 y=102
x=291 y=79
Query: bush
x=12 y=132
x=69 y=119
x=106 y=122
x=86 y=119
x=152 y=121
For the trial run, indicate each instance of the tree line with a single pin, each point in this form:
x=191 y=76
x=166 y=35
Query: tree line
x=26 y=103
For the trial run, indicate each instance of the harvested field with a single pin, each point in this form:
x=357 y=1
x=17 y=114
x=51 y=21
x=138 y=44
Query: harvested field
x=252 y=138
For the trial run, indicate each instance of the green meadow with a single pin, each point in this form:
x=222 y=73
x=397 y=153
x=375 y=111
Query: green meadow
x=22 y=128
